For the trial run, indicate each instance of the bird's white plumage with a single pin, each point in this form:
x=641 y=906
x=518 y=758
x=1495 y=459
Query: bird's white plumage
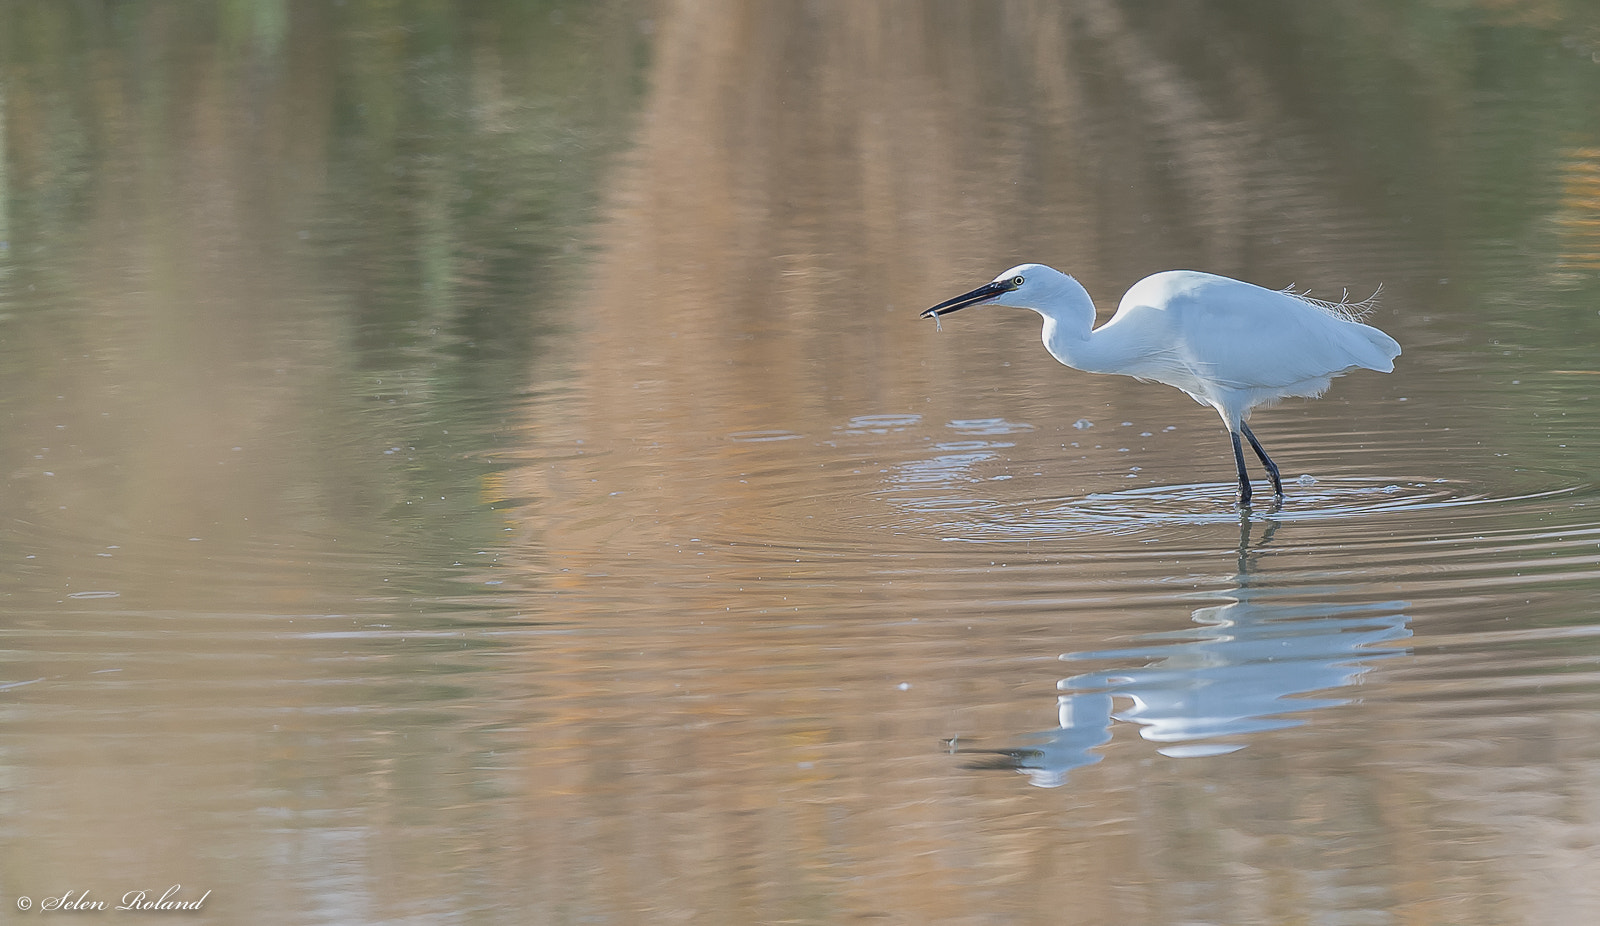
x=1232 y=345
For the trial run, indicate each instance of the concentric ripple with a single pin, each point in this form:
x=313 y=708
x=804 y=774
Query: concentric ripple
x=1139 y=509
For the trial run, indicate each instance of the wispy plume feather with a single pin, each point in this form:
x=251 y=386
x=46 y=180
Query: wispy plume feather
x=1344 y=308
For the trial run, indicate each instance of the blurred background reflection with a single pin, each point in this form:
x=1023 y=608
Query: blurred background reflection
x=481 y=463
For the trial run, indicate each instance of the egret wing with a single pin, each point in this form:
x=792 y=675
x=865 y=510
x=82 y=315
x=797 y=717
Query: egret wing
x=1236 y=335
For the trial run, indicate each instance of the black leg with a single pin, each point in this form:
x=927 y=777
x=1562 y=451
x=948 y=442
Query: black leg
x=1244 y=477
x=1272 y=468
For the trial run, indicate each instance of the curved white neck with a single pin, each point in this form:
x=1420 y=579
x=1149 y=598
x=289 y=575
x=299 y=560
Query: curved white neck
x=1070 y=336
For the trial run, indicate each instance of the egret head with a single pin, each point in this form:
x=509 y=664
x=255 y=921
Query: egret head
x=1023 y=286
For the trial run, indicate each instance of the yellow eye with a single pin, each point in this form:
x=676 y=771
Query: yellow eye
x=1016 y=282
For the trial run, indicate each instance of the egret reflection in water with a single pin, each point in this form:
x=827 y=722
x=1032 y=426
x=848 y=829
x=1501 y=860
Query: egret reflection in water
x=1252 y=660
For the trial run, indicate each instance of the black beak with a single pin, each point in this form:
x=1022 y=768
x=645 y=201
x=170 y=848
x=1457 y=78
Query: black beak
x=978 y=296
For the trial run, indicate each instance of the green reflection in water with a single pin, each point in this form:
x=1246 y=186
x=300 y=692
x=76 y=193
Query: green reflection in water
x=286 y=267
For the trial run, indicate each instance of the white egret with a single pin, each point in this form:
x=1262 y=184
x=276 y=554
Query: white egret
x=1229 y=344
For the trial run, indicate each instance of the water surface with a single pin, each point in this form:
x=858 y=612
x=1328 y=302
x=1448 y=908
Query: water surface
x=484 y=465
